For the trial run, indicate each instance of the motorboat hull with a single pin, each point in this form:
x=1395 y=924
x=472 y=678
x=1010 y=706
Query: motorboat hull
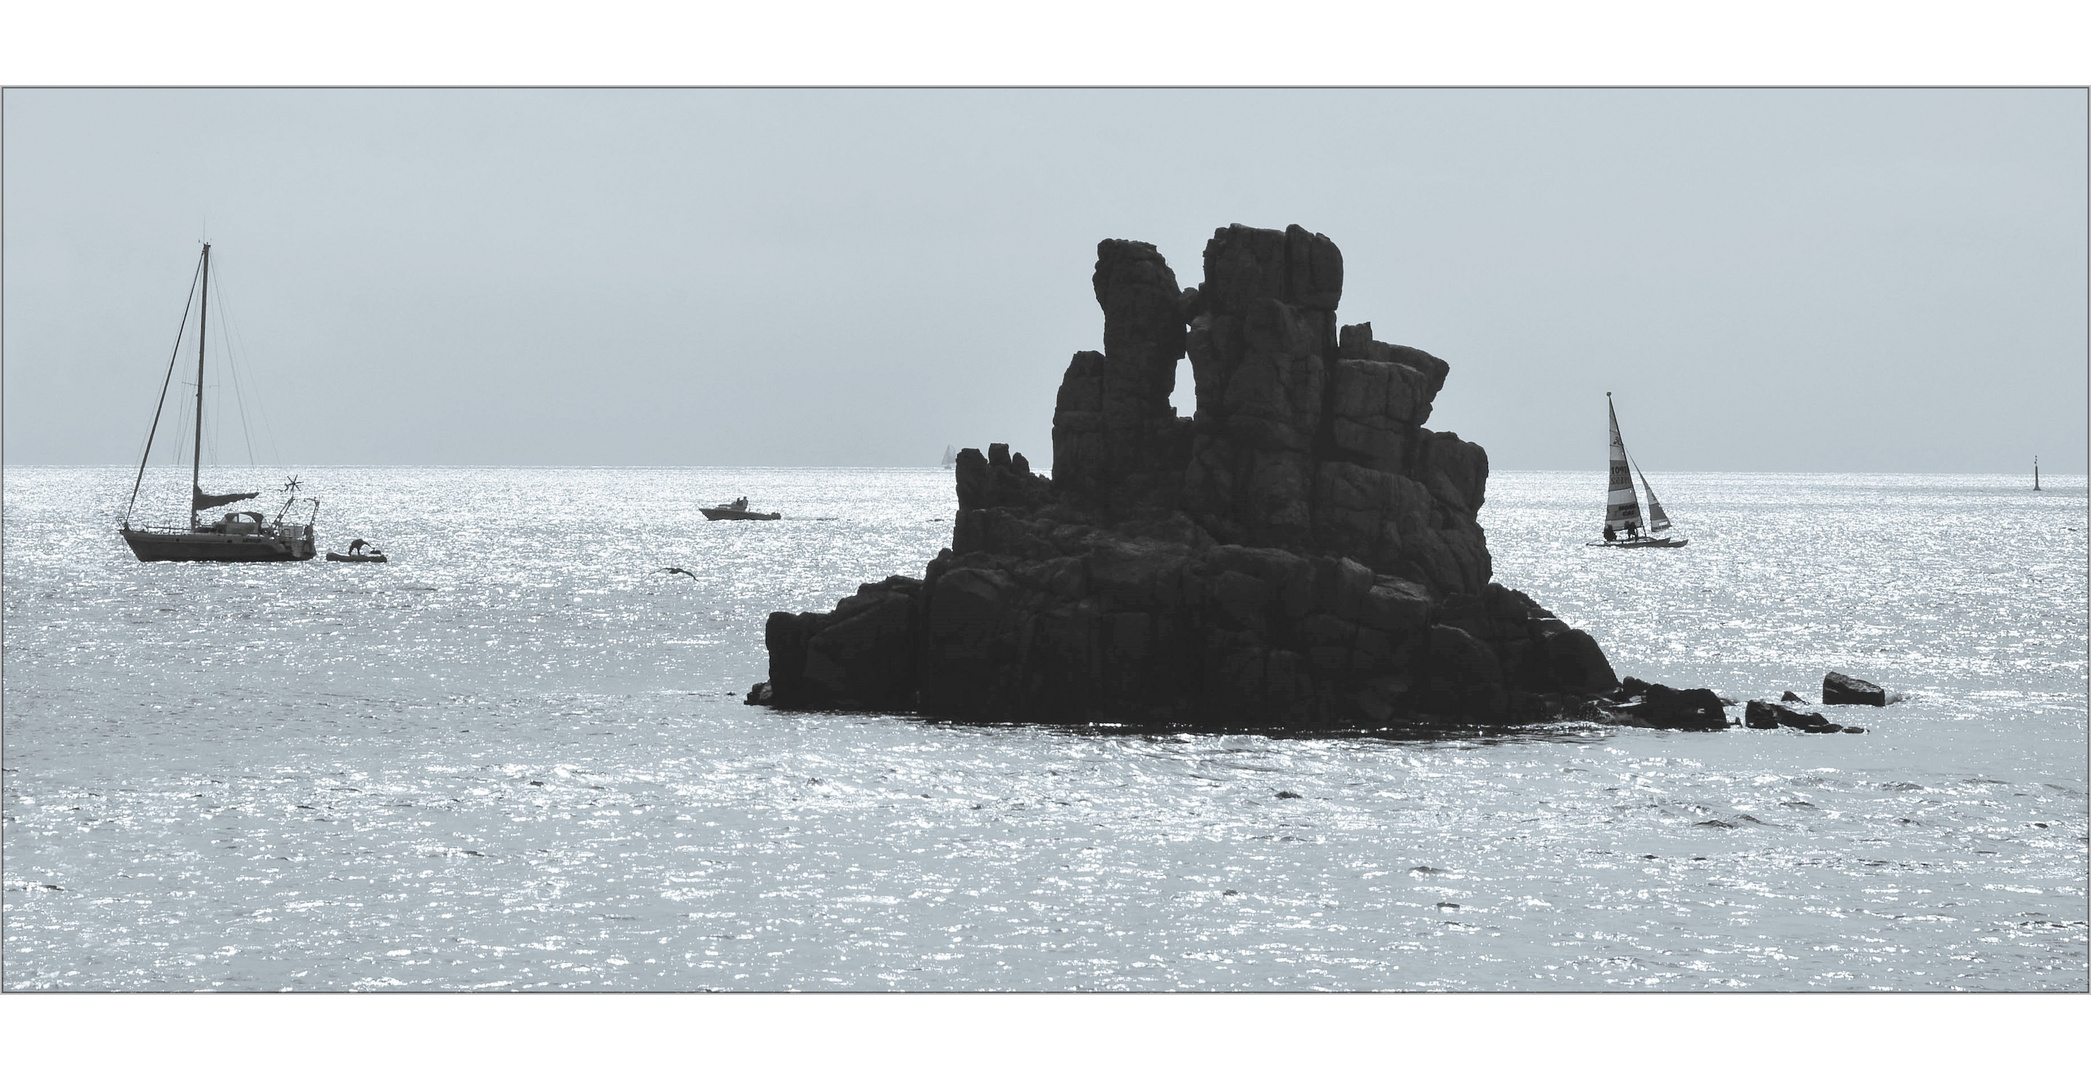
x=151 y=545
x=727 y=513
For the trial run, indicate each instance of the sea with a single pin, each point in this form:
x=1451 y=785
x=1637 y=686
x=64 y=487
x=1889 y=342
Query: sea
x=516 y=757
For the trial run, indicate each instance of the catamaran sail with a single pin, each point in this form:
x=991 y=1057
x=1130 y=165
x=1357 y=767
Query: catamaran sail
x=1657 y=520
x=1622 y=510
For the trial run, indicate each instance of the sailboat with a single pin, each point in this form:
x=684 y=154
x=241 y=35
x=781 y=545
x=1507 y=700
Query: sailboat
x=950 y=456
x=2036 y=472
x=239 y=536
x=1623 y=524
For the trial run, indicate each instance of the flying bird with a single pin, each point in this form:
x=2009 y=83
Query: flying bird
x=676 y=570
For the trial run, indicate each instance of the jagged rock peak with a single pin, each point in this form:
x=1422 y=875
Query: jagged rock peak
x=1300 y=553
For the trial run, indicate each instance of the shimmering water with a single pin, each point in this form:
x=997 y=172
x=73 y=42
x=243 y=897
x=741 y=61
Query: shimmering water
x=516 y=757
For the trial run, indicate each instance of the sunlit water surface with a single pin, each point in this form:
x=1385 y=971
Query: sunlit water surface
x=516 y=757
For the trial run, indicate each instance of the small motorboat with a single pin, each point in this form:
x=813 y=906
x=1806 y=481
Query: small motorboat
x=359 y=551
x=737 y=510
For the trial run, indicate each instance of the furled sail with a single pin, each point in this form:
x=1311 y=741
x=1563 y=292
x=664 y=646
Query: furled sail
x=1657 y=520
x=1622 y=510
x=200 y=502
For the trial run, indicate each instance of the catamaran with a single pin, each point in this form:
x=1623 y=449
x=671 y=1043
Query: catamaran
x=1623 y=524
x=240 y=536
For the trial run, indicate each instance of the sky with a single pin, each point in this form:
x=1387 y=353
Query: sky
x=1766 y=280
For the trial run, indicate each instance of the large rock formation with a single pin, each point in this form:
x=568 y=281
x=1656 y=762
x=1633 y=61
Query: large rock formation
x=1302 y=554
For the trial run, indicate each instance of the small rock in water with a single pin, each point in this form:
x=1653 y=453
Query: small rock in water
x=1768 y=714
x=1288 y=795
x=1840 y=689
x=1791 y=696
x=1685 y=710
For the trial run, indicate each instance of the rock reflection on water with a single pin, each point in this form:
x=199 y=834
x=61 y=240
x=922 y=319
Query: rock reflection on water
x=516 y=758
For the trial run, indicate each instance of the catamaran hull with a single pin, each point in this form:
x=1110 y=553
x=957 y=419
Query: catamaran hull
x=1644 y=542
x=216 y=547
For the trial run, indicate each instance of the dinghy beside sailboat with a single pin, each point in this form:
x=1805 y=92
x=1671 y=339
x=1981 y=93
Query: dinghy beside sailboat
x=1624 y=526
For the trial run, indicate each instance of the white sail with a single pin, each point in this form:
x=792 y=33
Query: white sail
x=1657 y=520
x=1622 y=510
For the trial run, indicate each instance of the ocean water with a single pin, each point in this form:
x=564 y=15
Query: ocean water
x=516 y=758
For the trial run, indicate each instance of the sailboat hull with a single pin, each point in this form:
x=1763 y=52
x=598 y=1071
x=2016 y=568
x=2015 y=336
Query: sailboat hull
x=1643 y=542
x=155 y=546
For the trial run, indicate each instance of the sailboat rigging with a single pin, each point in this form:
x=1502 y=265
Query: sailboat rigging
x=1624 y=526
x=240 y=536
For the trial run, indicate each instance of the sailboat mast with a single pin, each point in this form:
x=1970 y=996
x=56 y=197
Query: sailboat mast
x=203 y=315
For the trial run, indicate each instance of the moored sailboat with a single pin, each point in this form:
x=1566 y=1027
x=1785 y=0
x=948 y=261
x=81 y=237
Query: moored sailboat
x=239 y=536
x=1624 y=526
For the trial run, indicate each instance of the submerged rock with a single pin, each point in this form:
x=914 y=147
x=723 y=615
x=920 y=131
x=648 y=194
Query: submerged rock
x=1844 y=690
x=1302 y=553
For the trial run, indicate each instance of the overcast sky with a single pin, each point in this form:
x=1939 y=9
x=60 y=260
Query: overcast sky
x=1767 y=280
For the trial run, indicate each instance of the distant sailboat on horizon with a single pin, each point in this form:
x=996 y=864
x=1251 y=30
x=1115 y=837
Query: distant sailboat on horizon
x=1623 y=524
x=950 y=456
x=2036 y=472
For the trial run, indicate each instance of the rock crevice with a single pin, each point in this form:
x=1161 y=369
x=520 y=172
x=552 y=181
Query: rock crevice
x=1301 y=554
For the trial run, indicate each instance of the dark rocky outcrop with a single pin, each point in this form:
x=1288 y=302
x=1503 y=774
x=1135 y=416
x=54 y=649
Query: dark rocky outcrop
x=1771 y=714
x=1302 y=554
x=1845 y=690
x=1686 y=710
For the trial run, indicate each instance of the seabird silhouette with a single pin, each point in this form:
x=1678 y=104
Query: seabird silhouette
x=676 y=570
